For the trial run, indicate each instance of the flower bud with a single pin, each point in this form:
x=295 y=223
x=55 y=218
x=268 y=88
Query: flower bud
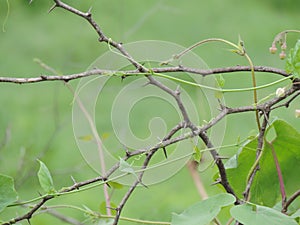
x=282 y=55
x=280 y=92
x=273 y=49
x=297 y=113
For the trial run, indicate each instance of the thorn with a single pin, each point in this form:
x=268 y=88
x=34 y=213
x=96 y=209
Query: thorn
x=43 y=77
x=123 y=77
x=222 y=157
x=112 y=208
x=108 y=185
x=28 y=220
x=127 y=152
x=165 y=152
x=218 y=181
x=102 y=38
x=146 y=84
x=72 y=178
x=89 y=11
x=52 y=8
x=221 y=105
x=74 y=182
x=143 y=184
x=177 y=91
x=106 y=182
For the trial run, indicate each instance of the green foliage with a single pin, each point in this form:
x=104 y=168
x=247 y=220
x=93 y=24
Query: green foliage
x=8 y=194
x=286 y=145
x=115 y=185
x=203 y=212
x=293 y=61
x=256 y=214
x=45 y=178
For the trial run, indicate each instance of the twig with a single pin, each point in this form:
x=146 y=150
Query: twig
x=94 y=72
x=290 y=200
x=220 y=165
x=62 y=217
x=255 y=166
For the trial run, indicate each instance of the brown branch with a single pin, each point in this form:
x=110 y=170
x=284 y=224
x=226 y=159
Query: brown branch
x=166 y=142
x=222 y=171
x=102 y=37
x=29 y=214
x=202 y=72
x=290 y=200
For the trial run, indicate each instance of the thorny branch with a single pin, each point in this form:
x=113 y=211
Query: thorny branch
x=195 y=130
x=94 y=72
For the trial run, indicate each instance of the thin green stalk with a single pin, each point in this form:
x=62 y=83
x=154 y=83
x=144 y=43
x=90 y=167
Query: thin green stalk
x=100 y=216
x=254 y=90
x=220 y=89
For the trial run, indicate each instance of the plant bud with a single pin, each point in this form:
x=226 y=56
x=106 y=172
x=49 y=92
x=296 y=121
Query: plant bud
x=297 y=113
x=280 y=92
x=283 y=46
x=273 y=49
x=282 y=55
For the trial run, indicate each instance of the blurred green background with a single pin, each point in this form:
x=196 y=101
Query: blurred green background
x=36 y=119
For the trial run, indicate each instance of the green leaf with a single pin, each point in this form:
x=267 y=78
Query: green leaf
x=8 y=193
x=197 y=154
x=203 y=212
x=45 y=178
x=237 y=167
x=296 y=214
x=293 y=61
x=103 y=209
x=115 y=185
x=260 y=215
x=220 y=80
x=286 y=145
x=126 y=167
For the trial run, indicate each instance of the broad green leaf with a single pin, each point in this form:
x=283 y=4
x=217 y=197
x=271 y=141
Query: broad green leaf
x=296 y=214
x=286 y=145
x=237 y=167
x=8 y=194
x=45 y=178
x=253 y=215
x=293 y=61
x=203 y=212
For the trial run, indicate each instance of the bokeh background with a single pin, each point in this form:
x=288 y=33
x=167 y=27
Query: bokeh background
x=36 y=119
